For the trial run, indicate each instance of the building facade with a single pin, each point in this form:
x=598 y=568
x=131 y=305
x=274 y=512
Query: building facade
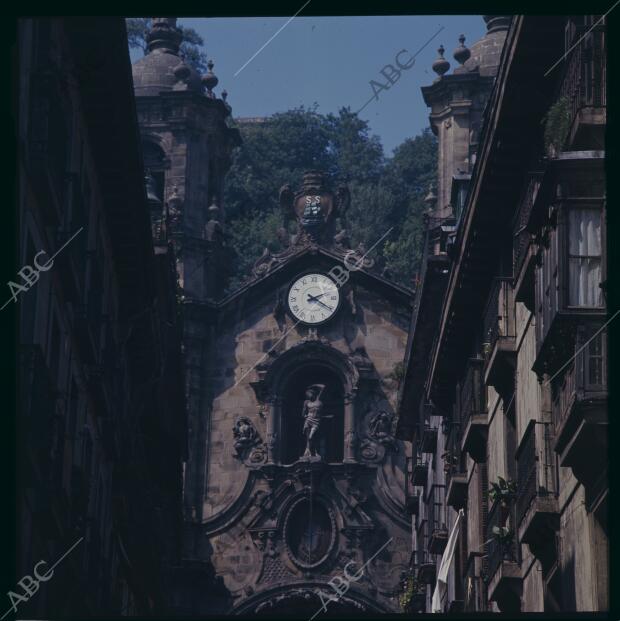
x=509 y=419
x=293 y=471
x=101 y=425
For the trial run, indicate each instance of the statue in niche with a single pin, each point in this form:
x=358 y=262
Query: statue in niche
x=313 y=414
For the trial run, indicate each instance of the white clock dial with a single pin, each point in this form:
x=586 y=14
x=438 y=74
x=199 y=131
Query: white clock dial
x=313 y=298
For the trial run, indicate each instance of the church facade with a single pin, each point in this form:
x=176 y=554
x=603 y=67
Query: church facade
x=294 y=474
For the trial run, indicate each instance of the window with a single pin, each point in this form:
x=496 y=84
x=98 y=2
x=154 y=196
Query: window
x=584 y=258
x=595 y=360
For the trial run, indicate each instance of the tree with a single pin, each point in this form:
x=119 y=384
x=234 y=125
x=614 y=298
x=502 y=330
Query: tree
x=385 y=193
x=190 y=48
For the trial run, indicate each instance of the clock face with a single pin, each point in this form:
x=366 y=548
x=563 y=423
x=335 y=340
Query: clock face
x=313 y=298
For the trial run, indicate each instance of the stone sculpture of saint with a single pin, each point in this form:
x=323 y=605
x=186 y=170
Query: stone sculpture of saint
x=312 y=413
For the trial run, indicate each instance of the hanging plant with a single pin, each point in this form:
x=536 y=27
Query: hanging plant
x=504 y=491
x=557 y=125
x=503 y=535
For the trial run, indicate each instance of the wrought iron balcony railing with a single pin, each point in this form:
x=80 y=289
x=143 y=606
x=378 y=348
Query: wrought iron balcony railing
x=535 y=468
x=473 y=411
x=584 y=84
x=522 y=235
x=501 y=544
x=498 y=320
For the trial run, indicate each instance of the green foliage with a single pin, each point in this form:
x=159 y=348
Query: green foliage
x=504 y=490
x=190 y=48
x=384 y=192
x=557 y=126
x=411 y=587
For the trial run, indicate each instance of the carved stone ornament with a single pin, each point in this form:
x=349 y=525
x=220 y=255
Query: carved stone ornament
x=247 y=441
x=319 y=214
x=381 y=428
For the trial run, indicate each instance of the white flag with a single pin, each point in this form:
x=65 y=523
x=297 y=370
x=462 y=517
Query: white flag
x=441 y=585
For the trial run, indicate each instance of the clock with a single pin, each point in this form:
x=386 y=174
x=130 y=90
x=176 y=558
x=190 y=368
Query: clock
x=313 y=298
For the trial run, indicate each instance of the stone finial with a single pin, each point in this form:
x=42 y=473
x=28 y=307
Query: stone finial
x=496 y=23
x=441 y=65
x=182 y=73
x=226 y=104
x=462 y=53
x=214 y=212
x=210 y=80
x=164 y=35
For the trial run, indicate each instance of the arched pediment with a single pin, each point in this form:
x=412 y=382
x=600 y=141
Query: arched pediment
x=274 y=372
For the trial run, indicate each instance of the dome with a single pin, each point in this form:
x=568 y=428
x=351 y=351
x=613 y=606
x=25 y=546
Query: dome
x=487 y=52
x=162 y=69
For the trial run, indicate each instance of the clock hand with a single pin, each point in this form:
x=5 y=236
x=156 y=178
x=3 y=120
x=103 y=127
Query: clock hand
x=323 y=304
x=314 y=298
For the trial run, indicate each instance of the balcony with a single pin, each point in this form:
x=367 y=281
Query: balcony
x=428 y=441
x=473 y=412
x=566 y=296
x=499 y=335
x=420 y=473
x=412 y=496
x=504 y=572
x=456 y=494
x=455 y=470
x=584 y=89
x=427 y=568
x=522 y=248
x=580 y=408
x=536 y=505
x=436 y=520
x=474 y=587
x=416 y=600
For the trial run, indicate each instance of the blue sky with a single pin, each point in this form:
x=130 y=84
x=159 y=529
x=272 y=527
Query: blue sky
x=331 y=61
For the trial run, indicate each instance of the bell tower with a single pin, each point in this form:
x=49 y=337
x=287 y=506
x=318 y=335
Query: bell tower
x=187 y=146
x=457 y=103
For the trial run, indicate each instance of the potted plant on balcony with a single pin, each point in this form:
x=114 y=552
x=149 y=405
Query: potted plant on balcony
x=557 y=126
x=503 y=491
x=412 y=597
x=505 y=537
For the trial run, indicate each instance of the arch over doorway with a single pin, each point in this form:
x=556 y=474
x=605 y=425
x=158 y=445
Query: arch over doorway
x=301 y=601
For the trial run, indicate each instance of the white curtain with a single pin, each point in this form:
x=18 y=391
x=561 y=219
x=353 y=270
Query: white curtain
x=441 y=586
x=584 y=249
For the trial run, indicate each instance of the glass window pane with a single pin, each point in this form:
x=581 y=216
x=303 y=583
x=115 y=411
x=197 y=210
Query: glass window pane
x=584 y=232
x=584 y=280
